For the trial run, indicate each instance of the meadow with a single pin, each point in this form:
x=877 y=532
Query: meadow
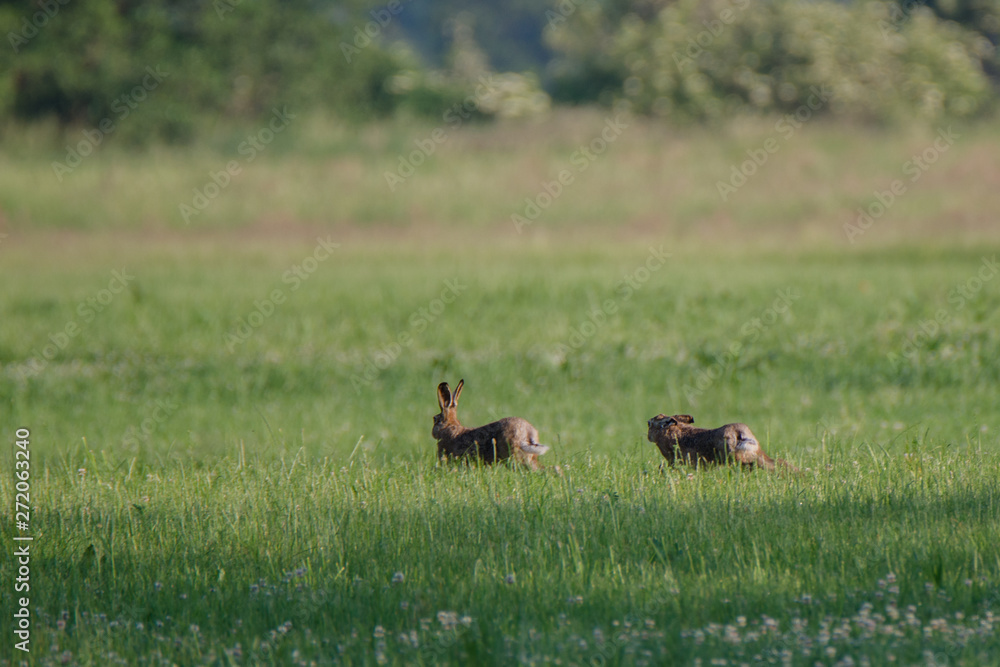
x=231 y=460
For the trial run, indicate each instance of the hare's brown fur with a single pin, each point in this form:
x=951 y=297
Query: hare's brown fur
x=677 y=437
x=500 y=440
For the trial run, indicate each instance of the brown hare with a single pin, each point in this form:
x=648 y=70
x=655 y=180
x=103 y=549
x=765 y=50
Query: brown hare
x=675 y=436
x=511 y=436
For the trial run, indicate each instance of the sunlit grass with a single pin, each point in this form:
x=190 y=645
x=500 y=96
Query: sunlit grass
x=528 y=331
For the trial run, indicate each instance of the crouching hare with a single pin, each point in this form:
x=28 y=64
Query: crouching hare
x=676 y=437
x=511 y=436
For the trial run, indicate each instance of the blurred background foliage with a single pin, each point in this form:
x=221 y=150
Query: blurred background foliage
x=73 y=64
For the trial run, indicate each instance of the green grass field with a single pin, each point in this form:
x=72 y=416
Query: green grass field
x=231 y=460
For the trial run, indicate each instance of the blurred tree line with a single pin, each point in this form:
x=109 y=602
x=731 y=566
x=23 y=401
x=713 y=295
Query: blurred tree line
x=83 y=62
x=710 y=58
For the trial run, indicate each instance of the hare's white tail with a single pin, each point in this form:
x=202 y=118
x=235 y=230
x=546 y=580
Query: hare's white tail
x=534 y=449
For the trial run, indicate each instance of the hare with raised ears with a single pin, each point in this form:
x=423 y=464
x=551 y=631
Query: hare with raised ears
x=511 y=436
x=676 y=437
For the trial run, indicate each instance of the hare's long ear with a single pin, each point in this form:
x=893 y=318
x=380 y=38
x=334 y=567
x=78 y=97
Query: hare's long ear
x=684 y=419
x=444 y=395
x=458 y=390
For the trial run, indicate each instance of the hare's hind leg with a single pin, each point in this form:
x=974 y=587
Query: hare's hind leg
x=764 y=461
x=525 y=457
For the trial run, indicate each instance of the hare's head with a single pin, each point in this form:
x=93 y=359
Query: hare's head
x=660 y=423
x=447 y=419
